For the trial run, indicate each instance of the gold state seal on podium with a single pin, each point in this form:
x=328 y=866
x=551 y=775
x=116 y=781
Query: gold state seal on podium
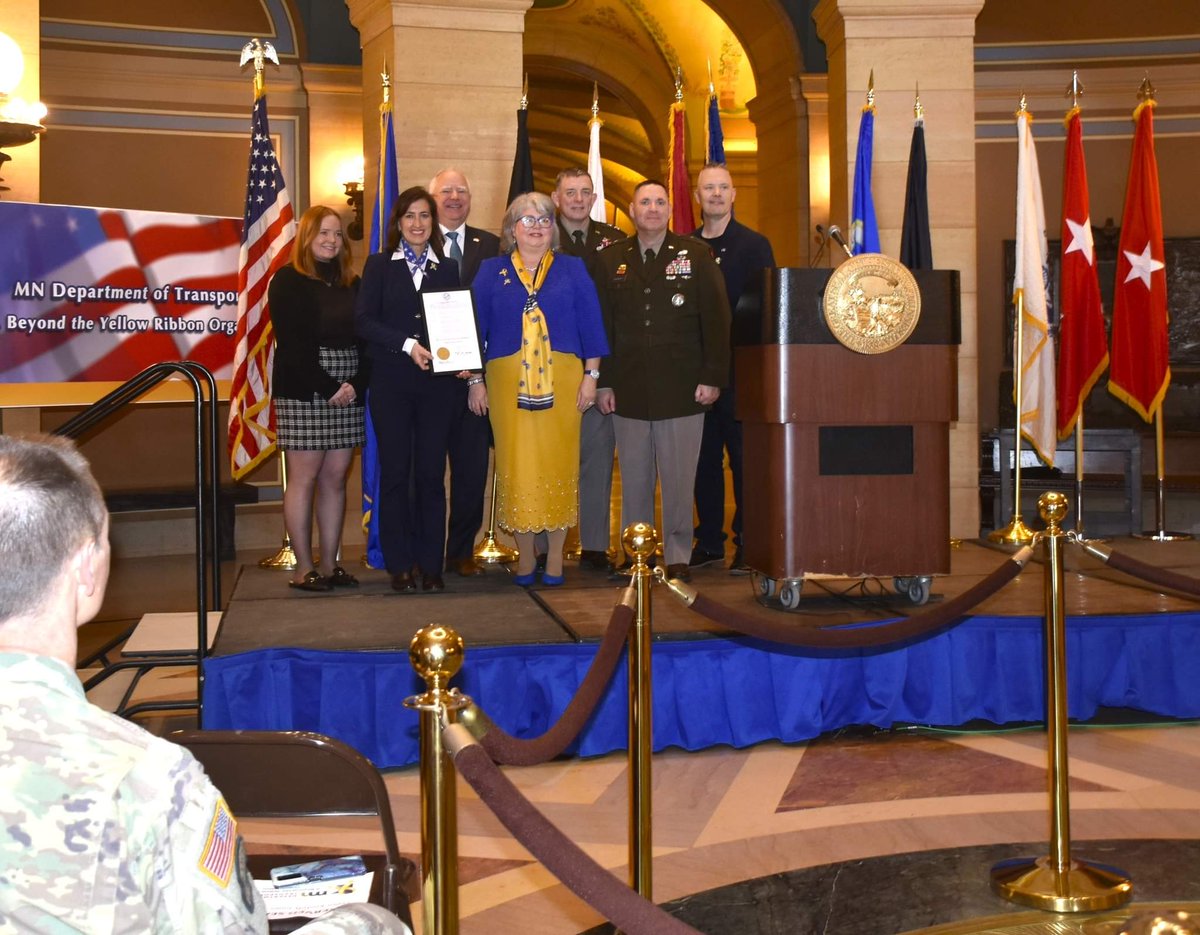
x=872 y=303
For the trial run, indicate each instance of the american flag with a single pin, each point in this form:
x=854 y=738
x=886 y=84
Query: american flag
x=220 y=849
x=267 y=234
x=160 y=261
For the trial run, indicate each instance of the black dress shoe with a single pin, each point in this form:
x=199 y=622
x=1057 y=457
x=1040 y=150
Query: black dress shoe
x=701 y=557
x=679 y=572
x=467 y=567
x=738 y=566
x=313 y=581
x=594 y=561
x=432 y=583
x=403 y=582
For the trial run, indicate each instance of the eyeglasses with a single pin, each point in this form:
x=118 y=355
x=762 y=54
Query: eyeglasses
x=528 y=220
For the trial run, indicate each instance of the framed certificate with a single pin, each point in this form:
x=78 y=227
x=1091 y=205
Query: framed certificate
x=453 y=337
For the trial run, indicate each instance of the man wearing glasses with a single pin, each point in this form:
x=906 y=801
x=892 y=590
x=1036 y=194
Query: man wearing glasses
x=470 y=434
x=667 y=319
x=583 y=237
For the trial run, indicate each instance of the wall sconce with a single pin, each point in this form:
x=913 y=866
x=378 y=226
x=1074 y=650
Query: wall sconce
x=354 y=198
x=20 y=122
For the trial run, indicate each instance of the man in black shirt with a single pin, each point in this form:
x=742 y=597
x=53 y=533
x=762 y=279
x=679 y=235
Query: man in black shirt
x=580 y=236
x=742 y=255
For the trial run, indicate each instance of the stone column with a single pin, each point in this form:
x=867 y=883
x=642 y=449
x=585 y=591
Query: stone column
x=906 y=43
x=456 y=84
x=781 y=124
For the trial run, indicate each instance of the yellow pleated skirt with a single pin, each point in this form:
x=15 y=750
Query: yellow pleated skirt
x=537 y=452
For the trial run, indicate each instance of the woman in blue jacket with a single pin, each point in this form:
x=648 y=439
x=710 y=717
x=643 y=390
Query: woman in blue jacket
x=539 y=322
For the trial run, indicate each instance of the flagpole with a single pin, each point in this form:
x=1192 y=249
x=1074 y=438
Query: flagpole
x=1074 y=91
x=1016 y=532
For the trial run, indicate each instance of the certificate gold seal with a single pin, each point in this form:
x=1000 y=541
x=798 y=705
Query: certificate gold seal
x=443 y=353
x=872 y=303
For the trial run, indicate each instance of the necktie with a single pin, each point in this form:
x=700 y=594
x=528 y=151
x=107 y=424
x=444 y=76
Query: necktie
x=649 y=257
x=455 y=251
x=577 y=236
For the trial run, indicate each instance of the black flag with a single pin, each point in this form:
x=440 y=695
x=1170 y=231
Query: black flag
x=915 y=249
x=522 y=171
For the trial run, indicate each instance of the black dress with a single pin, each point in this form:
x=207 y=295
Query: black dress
x=315 y=353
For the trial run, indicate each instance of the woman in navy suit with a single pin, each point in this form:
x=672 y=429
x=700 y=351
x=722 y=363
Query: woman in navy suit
x=411 y=407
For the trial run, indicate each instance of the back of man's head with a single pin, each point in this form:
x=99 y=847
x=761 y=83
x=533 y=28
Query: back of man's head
x=50 y=506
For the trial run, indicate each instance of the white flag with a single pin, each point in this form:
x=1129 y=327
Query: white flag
x=1036 y=405
x=596 y=170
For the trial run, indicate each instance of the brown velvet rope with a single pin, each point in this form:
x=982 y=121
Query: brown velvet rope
x=561 y=856
x=1159 y=576
x=512 y=751
x=860 y=637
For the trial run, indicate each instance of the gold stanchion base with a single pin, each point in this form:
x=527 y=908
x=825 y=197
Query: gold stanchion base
x=284 y=558
x=491 y=552
x=1015 y=533
x=1161 y=535
x=1084 y=887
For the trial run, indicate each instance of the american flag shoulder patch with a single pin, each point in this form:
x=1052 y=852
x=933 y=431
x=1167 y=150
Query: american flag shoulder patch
x=220 y=849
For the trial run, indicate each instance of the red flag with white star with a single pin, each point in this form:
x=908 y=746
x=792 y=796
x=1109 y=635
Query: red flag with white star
x=1082 y=343
x=1140 y=371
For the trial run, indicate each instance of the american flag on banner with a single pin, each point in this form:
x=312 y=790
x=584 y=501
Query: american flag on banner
x=267 y=234
x=91 y=294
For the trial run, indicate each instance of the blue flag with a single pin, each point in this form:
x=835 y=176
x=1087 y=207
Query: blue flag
x=713 y=132
x=864 y=229
x=386 y=190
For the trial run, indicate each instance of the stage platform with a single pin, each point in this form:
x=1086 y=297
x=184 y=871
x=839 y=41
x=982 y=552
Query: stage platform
x=337 y=662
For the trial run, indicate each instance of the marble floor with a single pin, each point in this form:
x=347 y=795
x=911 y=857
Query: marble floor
x=861 y=831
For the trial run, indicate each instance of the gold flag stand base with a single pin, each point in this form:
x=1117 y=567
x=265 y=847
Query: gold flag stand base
x=491 y=552
x=284 y=558
x=1082 y=887
x=1015 y=533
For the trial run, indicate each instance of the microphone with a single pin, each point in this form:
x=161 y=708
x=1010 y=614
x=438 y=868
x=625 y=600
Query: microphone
x=836 y=233
x=823 y=239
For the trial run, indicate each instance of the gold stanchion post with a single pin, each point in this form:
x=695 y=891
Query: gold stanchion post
x=285 y=557
x=640 y=540
x=1058 y=883
x=436 y=653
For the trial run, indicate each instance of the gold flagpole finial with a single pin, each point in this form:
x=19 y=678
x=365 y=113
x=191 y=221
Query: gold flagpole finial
x=1074 y=89
x=387 y=84
x=871 y=89
x=525 y=93
x=711 y=90
x=1146 y=90
x=260 y=53
x=678 y=83
x=918 y=108
x=1021 y=105
x=595 y=100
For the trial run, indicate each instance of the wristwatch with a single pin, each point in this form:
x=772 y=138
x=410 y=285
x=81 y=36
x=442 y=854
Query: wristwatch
x=594 y=374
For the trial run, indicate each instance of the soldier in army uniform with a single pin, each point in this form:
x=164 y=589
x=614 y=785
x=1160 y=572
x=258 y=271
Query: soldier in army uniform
x=580 y=236
x=107 y=828
x=668 y=319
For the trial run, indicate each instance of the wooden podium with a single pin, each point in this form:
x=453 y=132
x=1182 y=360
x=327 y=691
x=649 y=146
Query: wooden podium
x=846 y=455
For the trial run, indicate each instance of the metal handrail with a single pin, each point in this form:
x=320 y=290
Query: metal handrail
x=207 y=480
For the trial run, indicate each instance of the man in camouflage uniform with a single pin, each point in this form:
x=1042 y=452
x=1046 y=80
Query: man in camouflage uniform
x=106 y=828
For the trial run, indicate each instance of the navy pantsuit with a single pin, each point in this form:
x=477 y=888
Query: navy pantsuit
x=411 y=409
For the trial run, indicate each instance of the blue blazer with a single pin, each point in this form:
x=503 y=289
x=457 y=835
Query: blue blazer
x=568 y=297
x=389 y=310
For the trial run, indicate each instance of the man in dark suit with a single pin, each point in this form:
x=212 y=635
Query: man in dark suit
x=583 y=237
x=668 y=319
x=742 y=254
x=469 y=434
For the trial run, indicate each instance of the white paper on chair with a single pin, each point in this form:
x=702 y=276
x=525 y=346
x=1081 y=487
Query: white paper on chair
x=311 y=900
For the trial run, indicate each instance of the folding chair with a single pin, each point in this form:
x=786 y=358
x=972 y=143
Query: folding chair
x=299 y=774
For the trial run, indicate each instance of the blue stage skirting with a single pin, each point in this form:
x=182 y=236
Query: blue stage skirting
x=726 y=691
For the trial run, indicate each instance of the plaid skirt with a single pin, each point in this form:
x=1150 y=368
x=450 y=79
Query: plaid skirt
x=314 y=425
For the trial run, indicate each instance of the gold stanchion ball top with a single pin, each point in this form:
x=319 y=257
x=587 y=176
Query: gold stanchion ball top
x=1053 y=506
x=436 y=653
x=640 y=539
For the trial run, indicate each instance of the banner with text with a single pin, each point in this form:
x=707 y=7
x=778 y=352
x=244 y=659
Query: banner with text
x=101 y=294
